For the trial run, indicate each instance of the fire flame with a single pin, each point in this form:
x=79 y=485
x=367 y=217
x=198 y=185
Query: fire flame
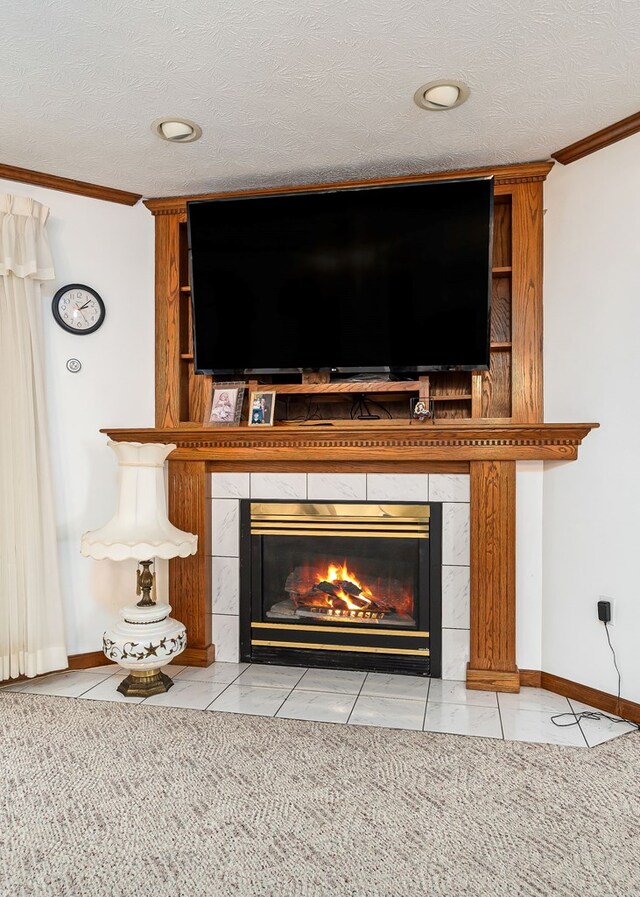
x=342 y=573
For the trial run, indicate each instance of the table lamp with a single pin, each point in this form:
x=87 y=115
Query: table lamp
x=146 y=638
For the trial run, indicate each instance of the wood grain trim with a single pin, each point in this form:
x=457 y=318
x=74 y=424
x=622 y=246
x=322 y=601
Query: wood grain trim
x=492 y=641
x=526 y=304
x=190 y=577
x=167 y=292
x=88 y=660
x=626 y=127
x=531 y=678
x=455 y=441
x=67 y=185
x=197 y=657
x=389 y=467
x=504 y=174
x=601 y=699
x=493 y=680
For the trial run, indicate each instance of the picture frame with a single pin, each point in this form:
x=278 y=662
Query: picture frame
x=262 y=406
x=421 y=410
x=225 y=407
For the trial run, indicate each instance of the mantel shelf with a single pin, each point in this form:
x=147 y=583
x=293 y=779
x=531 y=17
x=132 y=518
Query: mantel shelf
x=377 y=442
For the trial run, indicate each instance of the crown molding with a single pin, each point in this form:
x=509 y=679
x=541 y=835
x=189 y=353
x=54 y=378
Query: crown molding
x=67 y=185
x=594 y=142
x=503 y=174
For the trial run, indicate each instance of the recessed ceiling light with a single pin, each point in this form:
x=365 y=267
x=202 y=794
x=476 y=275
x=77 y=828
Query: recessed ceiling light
x=176 y=130
x=437 y=96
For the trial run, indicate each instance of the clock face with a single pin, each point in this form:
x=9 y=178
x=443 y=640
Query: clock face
x=78 y=309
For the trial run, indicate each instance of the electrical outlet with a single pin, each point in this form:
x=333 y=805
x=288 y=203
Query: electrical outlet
x=606 y=608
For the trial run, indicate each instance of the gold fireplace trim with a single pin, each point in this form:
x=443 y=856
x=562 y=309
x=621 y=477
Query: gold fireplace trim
x=387 y=521
x=352 y=630
x=422 y=652
x=356 y=533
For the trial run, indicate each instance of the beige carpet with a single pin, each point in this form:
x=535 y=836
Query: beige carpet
x=124 y=801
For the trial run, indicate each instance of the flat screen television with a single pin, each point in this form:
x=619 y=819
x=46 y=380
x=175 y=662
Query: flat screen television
x=390 y=280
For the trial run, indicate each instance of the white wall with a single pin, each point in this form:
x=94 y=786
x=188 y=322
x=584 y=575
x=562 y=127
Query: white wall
x=591 y=542
x=108 y=247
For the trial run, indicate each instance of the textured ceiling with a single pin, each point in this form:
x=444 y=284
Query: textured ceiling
x=291 y=90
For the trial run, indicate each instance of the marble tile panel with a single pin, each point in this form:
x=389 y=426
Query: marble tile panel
x=463 y=719
x=455 y=653
x=449 y=487
x=225 y=579
x=271 y=676
x=321 y=706
x=455 y=597
x=218 y=673
x=107 y=690
x=597 y=731
x=344 y=682
x=67 y=684
x=387 y=685
x=279 y=486
x=536 y=726
x=337 y=486
x=446 y=692
x=187 y=694
x=534 y=699
x=390 y=713
x=230 y=485
x=226 y=637
x=455 y=534
x=255 y=701
x=397 y=486
x=225 y=527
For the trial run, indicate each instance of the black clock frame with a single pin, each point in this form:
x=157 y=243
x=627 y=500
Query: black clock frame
x=58 y=318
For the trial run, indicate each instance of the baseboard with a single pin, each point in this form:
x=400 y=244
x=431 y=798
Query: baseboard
x=493 y=680
x=604 y=701
x=191 y=657
x=87 y=660
x=197 y=657
x=531 y=678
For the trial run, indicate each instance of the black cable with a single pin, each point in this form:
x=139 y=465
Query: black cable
x=593 y=714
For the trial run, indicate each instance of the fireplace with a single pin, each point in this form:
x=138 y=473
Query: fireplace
x=354 y=585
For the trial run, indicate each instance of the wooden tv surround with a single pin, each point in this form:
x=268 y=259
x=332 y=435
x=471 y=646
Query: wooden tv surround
x=485 y=422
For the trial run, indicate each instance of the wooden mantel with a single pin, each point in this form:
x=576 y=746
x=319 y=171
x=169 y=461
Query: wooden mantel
x=395 y=441
x=486 y=449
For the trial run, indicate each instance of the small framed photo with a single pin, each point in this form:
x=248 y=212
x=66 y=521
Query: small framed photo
x=226 y=405
x=262 y=406
x=421 y=409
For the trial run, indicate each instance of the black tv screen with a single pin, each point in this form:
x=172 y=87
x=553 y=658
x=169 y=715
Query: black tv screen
x=389 y=280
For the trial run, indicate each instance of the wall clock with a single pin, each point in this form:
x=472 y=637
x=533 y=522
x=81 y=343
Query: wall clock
x=78 y=309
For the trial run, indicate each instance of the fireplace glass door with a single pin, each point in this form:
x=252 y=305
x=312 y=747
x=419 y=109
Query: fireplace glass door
x=362 y=580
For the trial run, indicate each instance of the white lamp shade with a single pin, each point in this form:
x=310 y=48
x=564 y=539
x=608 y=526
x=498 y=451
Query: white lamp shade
x=140 y=528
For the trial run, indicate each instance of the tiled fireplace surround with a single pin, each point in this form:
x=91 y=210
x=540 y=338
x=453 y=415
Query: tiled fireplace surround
x=451 y=489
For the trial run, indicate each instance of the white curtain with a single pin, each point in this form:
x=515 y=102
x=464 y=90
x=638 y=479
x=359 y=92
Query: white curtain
x=31 y=622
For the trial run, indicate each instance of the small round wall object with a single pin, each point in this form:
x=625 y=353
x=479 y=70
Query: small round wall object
x=78 y=309
x=73 y=365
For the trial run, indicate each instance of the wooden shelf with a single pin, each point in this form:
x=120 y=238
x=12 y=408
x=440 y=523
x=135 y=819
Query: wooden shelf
x=510 y=387
x=337 y=387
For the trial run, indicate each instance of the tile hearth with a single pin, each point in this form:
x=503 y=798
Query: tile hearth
x=347 y=698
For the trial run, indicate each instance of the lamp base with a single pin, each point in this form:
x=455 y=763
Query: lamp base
x=145 y=640
x=144 y=683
